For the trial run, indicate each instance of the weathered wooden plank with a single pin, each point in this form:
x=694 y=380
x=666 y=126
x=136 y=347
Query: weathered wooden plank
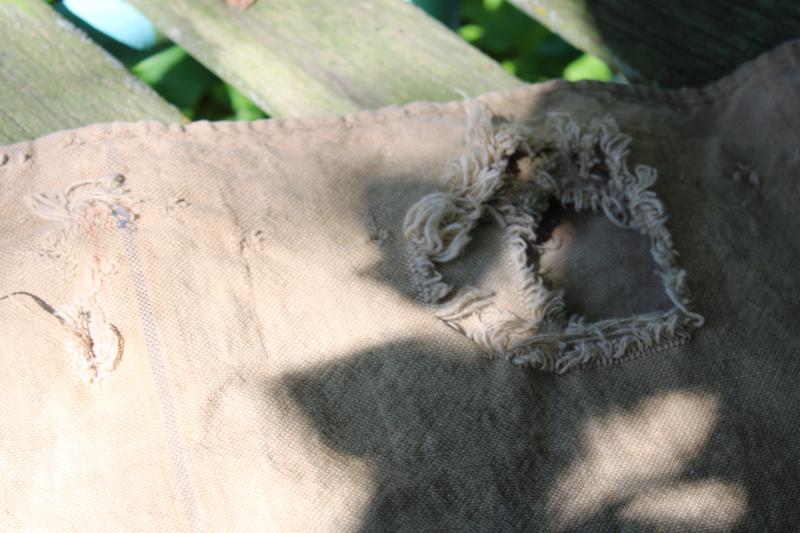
x=293 y=57
x=52 y=77
x=676 y=43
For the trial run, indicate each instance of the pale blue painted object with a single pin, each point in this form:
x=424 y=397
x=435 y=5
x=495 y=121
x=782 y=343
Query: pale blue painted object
x=117 y=19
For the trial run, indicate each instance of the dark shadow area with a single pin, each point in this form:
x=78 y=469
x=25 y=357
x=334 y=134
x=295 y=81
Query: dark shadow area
x=605 y=271
x=446 y=457
x=688 y=43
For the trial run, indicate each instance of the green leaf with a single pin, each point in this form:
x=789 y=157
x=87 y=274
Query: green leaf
x=510 y=66
x=587 y=67
x=176 y=76
x=520 y=44
x=152 y=69
x=243 y=108
x=471 y=32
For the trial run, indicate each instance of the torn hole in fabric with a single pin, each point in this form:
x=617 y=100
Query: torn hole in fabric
x=507 y=176
x=95 y=347
x=605 y=271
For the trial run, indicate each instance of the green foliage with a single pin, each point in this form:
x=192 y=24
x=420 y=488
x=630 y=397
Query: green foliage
x=197 y=92
x=520 y=44
x=587 y=67
x=242 y=107
x=176 y=76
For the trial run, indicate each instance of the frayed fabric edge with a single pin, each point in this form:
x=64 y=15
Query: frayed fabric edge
x=438 y=228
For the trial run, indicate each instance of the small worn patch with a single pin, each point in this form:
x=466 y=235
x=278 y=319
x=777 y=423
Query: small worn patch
x=82 y=207
x=252 y=241
x=176 y=203
x=375 y=233
x=581 y=167
x=743 y=172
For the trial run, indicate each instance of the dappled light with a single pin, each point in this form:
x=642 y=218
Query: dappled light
x=714 y=505
x=635 y=457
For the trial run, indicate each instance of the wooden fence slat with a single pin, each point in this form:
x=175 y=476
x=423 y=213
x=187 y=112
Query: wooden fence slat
x=52 y=77
x=293 y=57
x=676 y=43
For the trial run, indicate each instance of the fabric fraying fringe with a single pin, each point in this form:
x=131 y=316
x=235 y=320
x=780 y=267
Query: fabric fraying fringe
x=591 y=162
x=440 y=223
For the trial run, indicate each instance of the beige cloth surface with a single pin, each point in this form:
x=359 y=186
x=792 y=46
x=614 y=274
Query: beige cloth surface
x=217 y=326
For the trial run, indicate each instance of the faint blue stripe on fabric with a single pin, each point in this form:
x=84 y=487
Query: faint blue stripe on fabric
x=157 y=367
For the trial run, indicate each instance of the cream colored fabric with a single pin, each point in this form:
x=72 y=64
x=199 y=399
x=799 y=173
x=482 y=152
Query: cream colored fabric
x=217 y=327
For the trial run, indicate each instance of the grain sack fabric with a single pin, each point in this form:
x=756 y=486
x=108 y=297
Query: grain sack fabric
x=567 y=307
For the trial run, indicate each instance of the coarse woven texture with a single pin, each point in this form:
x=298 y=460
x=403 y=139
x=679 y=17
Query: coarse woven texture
x=222 y=327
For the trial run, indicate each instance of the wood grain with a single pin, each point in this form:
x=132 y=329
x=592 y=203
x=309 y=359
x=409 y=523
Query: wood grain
x=54 y=78
x=294 y=57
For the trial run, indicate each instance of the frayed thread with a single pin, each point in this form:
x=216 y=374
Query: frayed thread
x=439 y=225
x=95 y=346
x=591 y=161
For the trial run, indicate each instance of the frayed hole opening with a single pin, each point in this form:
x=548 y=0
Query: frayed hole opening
x=605 y=271
x=501 y=174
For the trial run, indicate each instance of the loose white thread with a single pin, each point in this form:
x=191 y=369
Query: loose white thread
x=594 y=175
x=96 y=346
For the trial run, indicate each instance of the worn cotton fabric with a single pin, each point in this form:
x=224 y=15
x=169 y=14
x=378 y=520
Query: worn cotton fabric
x=264 y=361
